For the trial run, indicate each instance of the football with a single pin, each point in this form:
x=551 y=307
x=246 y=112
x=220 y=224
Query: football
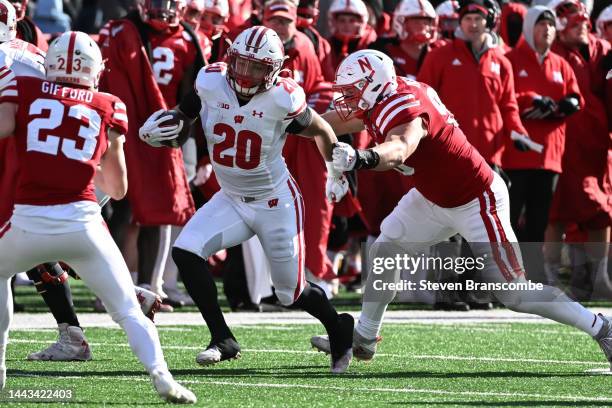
x=176 y=118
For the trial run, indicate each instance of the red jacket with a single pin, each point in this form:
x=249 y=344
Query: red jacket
x=553 y=78
x=584 y=193
x=303 y=62
x=479 y=93
x=158 y=190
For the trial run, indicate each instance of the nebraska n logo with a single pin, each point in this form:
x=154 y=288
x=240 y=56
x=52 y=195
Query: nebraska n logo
x=253 y=43
x=365 y=63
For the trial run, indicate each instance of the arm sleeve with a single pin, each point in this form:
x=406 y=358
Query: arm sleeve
x=300 y=122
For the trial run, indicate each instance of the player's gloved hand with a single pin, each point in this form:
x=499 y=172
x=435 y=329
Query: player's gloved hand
x=344 y=157
x=542 y=108
x=337 y=185
x=152 y=133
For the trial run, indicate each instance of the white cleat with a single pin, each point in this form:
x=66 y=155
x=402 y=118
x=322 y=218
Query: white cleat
x=71 y=346
x=149 y=301
x=363 y=349
x=604 y=338
x=179 y=297
x=321 y=343
x=171 y=391
x=227 y=349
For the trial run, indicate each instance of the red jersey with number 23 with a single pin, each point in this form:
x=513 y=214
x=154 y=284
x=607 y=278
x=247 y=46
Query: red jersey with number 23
x=60 y=134
x=448 y=170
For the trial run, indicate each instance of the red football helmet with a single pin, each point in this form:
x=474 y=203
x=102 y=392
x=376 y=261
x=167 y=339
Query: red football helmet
x=21 y=6
x=161 y=14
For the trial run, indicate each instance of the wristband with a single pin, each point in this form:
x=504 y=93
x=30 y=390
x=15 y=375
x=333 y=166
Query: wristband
x=366 y=159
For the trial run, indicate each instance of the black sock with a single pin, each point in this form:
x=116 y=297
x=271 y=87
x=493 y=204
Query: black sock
x=201 y=287
x=148 y=247
x=314 y=301
x=59 y=300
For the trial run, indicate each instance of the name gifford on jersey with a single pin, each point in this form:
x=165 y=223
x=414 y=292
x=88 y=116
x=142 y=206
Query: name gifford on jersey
x=245 y=142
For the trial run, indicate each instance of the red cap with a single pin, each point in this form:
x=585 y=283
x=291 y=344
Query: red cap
x=281 y=9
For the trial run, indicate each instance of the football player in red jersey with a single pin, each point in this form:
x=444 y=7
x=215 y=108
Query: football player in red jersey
x=416 y=132
x=68 y=137
x=150 y=63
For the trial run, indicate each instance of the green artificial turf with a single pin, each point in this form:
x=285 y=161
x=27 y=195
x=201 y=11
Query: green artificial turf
x=488 y=365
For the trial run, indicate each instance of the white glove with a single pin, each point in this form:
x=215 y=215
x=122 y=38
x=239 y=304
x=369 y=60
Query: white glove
x=337 y=185
x=344 y=157
x=151 y=132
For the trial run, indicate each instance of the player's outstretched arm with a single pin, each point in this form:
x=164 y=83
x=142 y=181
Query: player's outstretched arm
x=400 y=143
x=7 y=119
x=336 y=185
x=111 y=176
x=322 y=133
x=343 y=127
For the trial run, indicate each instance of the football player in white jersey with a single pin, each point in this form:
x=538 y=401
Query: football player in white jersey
x=247 y=109
x=25 y=59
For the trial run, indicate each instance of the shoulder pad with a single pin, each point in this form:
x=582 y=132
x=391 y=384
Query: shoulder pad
x=210 y=76
x=288 y=96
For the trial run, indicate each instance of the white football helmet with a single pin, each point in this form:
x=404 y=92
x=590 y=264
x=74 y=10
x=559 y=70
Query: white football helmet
x=356 y=7
x=415 y=8
x=605 y=18
x=363 y=79
x=255 y=59
x=193 y=13
x=8 y=21
x=74 y=58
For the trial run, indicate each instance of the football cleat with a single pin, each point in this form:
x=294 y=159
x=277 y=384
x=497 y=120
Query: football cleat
x=71 y=346
x=341 y=344
x=171 y=391
x=604 y=338
x=363 y=349
x=150 y=303
x=227 y=349
x=179 y=297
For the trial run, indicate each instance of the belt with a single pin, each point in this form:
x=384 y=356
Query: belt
x=247 y=199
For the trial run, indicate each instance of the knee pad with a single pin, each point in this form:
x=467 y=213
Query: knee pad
x=280 y=247
x=392 y=228
x=47 y=276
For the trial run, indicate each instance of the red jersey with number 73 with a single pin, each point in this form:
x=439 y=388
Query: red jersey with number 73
x=60 y=134
x=448 y=170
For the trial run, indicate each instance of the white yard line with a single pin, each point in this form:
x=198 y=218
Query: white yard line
x=575 y=398
x=45 y=320
x=390 y=355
